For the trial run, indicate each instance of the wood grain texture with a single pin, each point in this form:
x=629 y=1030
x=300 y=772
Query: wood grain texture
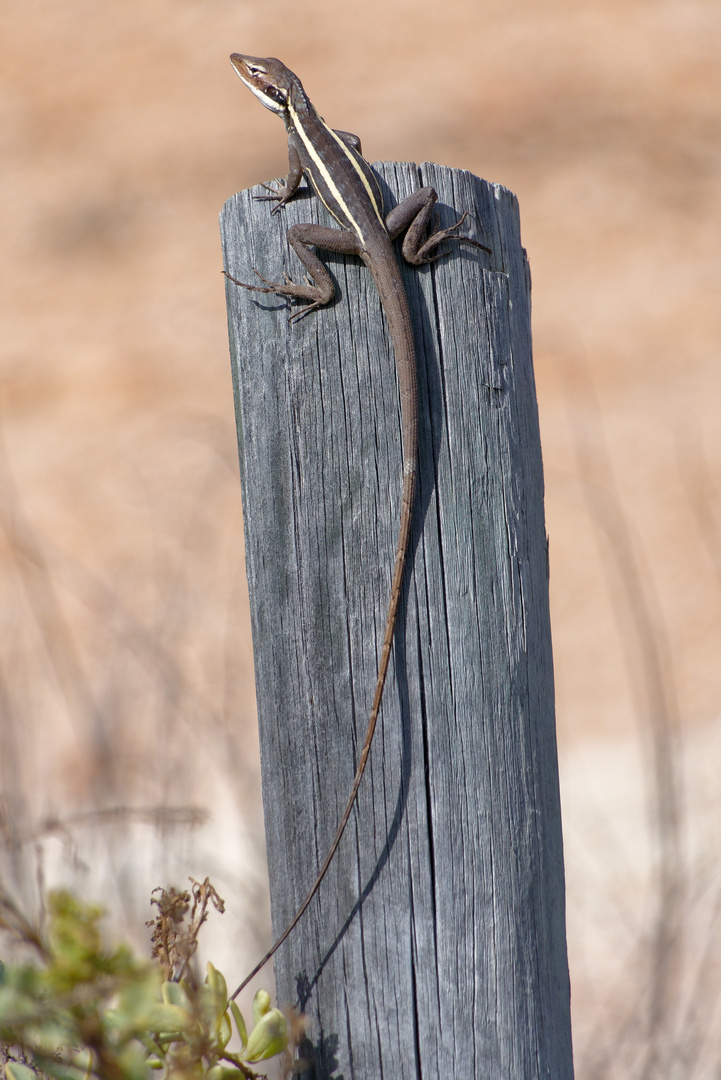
x=436 y=946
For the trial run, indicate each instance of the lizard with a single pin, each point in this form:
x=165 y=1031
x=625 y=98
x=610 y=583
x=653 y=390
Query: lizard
x=333 y=164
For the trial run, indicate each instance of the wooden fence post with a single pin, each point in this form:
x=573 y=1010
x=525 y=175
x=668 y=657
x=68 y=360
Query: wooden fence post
x=436 y=947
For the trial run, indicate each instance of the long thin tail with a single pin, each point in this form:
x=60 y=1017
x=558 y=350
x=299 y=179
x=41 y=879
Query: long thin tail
x=409 y=485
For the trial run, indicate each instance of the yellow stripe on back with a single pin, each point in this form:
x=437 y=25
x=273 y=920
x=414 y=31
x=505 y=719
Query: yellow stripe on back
x=372 y=195
x=323 y=170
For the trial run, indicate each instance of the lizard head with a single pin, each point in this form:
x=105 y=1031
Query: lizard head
x=268 y=79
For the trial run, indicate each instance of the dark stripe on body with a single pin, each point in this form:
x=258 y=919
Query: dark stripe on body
x=347 y=176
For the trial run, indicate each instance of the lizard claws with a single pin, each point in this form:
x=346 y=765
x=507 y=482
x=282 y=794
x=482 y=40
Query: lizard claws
x=451 y=233
x=253 y=288
x=466 y=239
x=304 y=311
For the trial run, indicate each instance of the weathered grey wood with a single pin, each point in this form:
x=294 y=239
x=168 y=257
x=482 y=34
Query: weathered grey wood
x=436 y=946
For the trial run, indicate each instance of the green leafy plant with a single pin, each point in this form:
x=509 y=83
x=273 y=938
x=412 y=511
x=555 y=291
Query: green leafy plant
x=83 y=1010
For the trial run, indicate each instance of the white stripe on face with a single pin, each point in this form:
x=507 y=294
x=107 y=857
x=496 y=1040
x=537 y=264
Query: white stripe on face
x=269 y=103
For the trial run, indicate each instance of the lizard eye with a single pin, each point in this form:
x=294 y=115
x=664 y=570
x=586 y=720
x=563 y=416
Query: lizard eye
x=276 y=94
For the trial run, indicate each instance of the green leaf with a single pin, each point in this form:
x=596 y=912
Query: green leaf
x=174 y=994
x=239 y=1022
x=261 y=1004
x=59 y=1070
x=14 y=1070
x=223 y=1072
x=169 y=1018
x=74 y=940
x=226 y=1032
x=210 y=1013
x=134 y=1006
x=153 y=1049
x=83 y=1060
x=133 y=1062
x=268 y=1037
x=16 y=1007
x=214 y=1000
x=216 y=979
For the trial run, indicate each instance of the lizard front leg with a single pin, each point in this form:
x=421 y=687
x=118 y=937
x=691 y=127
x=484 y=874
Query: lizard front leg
x=414 y=215
x=288 y=186
x=350 y=140
x=320 y=290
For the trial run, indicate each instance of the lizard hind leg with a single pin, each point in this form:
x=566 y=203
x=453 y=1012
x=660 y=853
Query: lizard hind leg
x=316 y=297
x=438 y=236
x=418 y=254
x=320 y=289
x=414 y=217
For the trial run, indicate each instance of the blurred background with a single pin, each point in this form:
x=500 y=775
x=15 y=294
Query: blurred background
x=129 y=751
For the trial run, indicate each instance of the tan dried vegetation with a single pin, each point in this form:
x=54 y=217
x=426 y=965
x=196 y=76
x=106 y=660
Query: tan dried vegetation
x=126 y=685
